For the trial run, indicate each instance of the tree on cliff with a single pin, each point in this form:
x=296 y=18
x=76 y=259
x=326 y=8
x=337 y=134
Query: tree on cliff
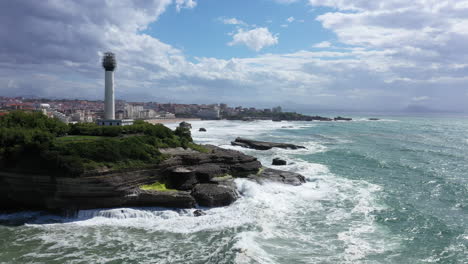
x=33 y=120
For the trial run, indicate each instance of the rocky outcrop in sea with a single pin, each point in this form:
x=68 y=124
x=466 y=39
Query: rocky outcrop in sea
x=262 y=145
x=278 y=162
x=340 y=118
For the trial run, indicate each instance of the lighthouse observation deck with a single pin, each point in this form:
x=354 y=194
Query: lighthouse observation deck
x=108 y=61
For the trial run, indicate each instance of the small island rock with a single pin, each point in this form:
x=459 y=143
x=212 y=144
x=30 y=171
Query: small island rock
x=198 y=212
x=202 y=129
x=272 y=175
x=278 y=162
x=339 y=118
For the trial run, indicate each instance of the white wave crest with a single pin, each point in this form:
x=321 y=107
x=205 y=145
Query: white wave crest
x=329 y=219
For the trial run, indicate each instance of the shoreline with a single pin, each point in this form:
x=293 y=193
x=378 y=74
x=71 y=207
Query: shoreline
x=171 y=120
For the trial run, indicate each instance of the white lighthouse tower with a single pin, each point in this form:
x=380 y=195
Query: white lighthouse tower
x=109 y=64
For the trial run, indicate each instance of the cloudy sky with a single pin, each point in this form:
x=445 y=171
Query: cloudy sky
x=335 y=54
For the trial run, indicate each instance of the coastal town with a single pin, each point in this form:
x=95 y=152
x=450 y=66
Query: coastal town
x=88 y=111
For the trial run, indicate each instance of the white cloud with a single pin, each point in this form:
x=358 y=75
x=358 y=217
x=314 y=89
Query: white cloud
x=290 y=19
x=432 y=28
x=189 y=4
x=255 y=39
x=323 y=44
x=398 y=53
x=233 y=21
x=420 y=98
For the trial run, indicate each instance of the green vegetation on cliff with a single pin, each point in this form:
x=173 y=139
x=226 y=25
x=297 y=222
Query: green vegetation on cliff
x=32 y=142
x=157 y=186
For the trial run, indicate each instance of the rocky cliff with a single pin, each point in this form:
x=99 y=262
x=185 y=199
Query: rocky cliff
x=192 y=178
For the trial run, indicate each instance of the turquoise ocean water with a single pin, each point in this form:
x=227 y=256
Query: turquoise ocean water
x=388 y=191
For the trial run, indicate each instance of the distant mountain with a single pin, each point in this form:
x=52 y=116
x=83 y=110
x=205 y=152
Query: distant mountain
x=425 y=109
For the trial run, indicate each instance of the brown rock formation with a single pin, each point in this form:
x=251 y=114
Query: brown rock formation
x=203 y=178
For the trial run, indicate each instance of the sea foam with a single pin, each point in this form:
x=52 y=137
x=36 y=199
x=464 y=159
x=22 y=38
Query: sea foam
x=327 y=219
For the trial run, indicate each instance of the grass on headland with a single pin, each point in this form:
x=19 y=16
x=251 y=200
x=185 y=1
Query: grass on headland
x=222 y=177
x=157 y=186
x=198 y=148
x=33 y=142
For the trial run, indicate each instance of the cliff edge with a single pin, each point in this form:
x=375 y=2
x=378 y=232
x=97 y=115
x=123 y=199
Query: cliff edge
x=184 y=180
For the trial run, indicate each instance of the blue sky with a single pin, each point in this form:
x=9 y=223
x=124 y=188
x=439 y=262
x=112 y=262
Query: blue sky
x=208 y=35
x=302 y=54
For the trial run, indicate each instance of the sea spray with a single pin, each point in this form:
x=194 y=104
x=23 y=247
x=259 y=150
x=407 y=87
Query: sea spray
x=376 y=192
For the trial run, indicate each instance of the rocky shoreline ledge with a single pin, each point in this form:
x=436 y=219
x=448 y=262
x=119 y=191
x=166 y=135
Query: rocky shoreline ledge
x=262 y=145
x=192 y=179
